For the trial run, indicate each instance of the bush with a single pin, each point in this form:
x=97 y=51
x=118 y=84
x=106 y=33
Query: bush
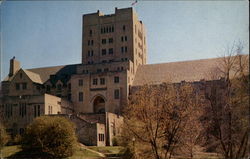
x=114 y=141
x=54 y=136
x=4 y=137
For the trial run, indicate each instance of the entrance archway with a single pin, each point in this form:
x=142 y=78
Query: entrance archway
x=99 y=105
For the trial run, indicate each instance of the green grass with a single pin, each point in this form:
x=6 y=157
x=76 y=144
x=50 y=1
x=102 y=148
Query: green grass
x=80 y=153
x=109 y=150
x=10 y=150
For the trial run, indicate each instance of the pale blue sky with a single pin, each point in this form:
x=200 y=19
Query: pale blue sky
x=48 y=33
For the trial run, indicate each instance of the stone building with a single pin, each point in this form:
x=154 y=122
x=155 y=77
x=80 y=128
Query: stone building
x=93 y=93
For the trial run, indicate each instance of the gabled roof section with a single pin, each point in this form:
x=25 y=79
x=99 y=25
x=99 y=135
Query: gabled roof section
x=41 y=75
x=62 y=73
x=176 y=72
x=33 y=76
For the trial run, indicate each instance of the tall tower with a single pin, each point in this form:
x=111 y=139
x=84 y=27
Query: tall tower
x=112 y=38
x=113 y=46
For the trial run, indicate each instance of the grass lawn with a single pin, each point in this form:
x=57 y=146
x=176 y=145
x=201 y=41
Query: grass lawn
x=15 y=151
x=109 y=150
x=10 y=150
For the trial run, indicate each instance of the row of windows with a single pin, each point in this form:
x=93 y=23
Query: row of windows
x=110 y=40
x=102 y=80
x=110 y=51
x=22 y=110
x=116 y=95
x=20 y=86
x=58 y=87
x=95 y=81
x=107 y=29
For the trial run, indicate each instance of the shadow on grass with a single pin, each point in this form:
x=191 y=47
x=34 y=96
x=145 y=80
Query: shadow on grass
x=30 y=155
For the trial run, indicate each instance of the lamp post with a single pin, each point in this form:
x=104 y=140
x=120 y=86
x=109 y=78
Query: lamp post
x=133 y=140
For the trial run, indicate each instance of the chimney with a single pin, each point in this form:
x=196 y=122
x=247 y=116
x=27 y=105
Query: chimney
x=14 y=66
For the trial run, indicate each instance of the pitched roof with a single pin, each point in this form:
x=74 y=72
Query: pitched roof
x=176 y=72
x=41 y=75
x=45 y=72
x=33 y=76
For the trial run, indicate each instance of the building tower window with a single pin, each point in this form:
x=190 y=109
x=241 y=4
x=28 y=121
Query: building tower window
x=95 y=81
x=103 y=51
x=80 y=82
x=102 y=81
x=124 y=28
x=110 y=50
x=116 y=79
x=110 y=40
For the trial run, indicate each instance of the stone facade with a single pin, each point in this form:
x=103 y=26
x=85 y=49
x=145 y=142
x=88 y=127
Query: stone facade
x=93 y=93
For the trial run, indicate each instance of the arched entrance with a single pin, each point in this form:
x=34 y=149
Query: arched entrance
x=99 y=105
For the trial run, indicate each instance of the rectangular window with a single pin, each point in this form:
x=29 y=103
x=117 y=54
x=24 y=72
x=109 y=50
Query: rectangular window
x=126 y=49
x=22 y=109
x=110 y=40
x=24 y=85
x=103 y=41
x=122 y=49
x=103 y=51
x=80 y=97
x=110 y=50
x=102 y=81
x=124 y=28
x=125 y=38
x=80 y=82
x=92 y=42
x=17 y=86
x=95 y=81
x=122 y=38
x=116 y=79
x=116 y=94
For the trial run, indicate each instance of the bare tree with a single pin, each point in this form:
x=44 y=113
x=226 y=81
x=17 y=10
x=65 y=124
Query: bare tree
x=228 y=108
x=157 y=117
